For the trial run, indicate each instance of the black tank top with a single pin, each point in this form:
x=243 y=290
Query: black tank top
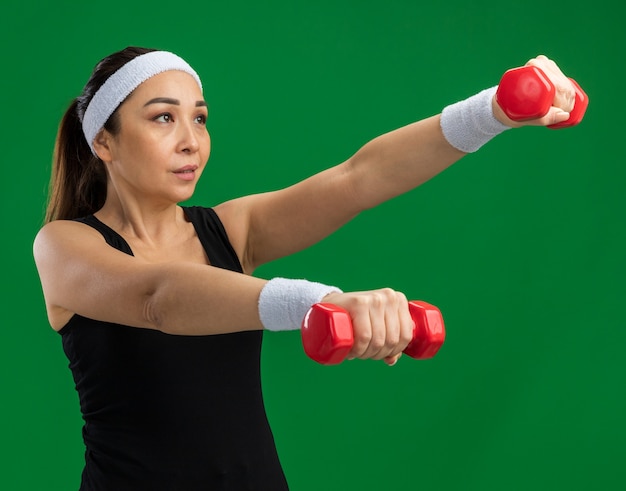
x=172 y=413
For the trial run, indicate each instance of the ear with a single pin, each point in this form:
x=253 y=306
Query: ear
x=102 y=145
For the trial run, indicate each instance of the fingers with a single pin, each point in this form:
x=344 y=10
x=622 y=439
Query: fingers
x=565 y=93
x=381 y=323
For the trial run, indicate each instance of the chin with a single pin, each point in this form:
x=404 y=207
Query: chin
x=184 y=196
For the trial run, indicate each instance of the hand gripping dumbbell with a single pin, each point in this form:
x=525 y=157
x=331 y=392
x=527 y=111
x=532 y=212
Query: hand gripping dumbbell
x=327 y=334
x=527 y=93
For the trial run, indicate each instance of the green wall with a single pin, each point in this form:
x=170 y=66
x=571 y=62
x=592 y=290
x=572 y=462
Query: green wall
x=521 y=245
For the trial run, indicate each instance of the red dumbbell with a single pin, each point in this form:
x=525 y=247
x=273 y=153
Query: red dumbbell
x=327 y=334
x=527 y=93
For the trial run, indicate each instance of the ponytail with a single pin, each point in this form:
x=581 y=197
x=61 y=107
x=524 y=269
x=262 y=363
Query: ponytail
x=78 y=181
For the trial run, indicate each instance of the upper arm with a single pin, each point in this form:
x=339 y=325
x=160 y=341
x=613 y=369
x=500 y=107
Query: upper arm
x=267 y=226
x=80 y=273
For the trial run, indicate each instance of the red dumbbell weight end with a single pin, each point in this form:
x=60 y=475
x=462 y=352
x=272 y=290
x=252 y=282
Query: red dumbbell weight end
x=527 y=93
x=327 y=335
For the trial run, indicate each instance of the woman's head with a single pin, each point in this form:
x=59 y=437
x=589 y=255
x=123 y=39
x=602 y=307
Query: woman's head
x=118 y=86
x=79 y=181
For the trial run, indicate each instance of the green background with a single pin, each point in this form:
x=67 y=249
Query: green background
x=522 y=245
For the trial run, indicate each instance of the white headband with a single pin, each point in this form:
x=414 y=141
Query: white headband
x=119 y=85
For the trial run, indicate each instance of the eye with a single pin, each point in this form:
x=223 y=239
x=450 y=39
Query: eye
x=201 y=119
x=163 y=118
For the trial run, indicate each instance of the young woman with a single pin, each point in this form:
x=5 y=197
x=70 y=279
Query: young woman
x=156 y=304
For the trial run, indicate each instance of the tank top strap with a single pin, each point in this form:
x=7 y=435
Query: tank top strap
x=213 y=238
x=110 y=236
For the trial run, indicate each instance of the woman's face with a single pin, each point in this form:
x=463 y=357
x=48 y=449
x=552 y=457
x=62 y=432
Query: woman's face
x=163 y=143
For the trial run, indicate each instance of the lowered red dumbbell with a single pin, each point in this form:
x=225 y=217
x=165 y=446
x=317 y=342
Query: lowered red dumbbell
x=527 y=93
x=327 y=334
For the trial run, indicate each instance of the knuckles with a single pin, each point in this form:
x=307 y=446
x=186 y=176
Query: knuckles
x=392 y=339
x=384 y=325
x=377 y=343
x=362 y=338
x=565 y=94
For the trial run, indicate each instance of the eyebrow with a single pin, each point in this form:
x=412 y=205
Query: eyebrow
x=168 y=100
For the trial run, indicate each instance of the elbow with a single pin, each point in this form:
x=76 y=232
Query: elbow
x=152 y=313
x=163 y=306
x=158 y=297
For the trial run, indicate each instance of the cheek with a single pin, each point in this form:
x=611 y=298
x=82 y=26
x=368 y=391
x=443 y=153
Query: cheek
x=206 y=147
x=150 y=149
x=140 y=155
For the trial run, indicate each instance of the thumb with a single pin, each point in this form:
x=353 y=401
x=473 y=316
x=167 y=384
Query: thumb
x=555 y=115
x=392 y=360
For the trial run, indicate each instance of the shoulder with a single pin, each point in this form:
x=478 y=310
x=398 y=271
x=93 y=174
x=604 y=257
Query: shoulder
x=80 y=273
x=234 y=216
x=63 y=226
x=55 y=247
x=61 y=233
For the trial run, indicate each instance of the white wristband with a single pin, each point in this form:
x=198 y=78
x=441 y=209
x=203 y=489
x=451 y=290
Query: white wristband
x=469 y=124
x=283 y=303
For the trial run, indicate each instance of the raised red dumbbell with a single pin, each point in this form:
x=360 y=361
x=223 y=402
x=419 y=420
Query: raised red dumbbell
x=327 y=334
x=527 y=93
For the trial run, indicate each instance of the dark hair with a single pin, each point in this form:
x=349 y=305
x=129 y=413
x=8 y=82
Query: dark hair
x=78 y=183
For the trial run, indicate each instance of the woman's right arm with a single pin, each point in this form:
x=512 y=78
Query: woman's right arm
x=82 y=274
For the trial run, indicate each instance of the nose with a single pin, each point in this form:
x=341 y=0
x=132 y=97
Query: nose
x=188 y=141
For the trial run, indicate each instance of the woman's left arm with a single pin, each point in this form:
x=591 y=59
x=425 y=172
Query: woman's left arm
x=268 y=226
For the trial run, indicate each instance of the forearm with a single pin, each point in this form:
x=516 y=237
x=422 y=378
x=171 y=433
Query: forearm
x=189 y=299
x=183 y=303
x=400 y=160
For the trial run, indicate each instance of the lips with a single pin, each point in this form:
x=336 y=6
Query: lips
x=188 y=169
x=186 y=173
